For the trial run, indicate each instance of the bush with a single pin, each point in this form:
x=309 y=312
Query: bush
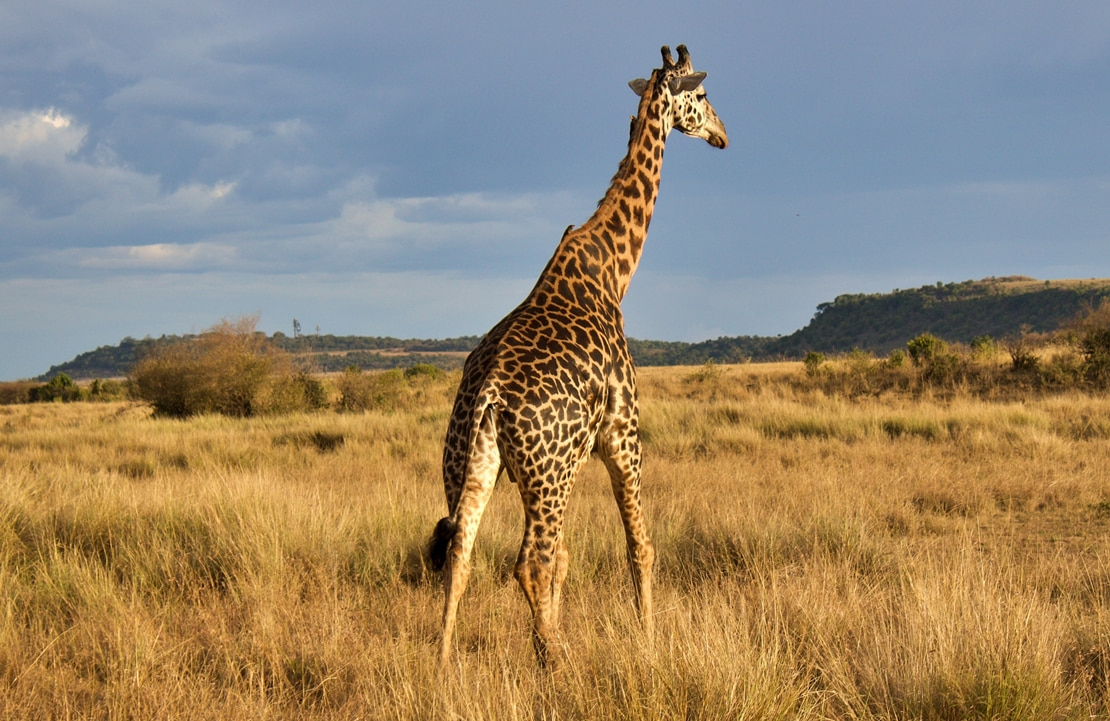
x=423 y=370
x=939 y=366
x=1095 y=346
x=1022 y=355
x=60 y=388
x=108 y=390
x=315 y=393
x=859 y=360
x=984 y=347
x=169 y=378
x=230 y=369
x=355 y=390
x=813 y=361
x=287 y=391
x=709 y=372
x=1090 y=334
x=944 y=369
x=925 y=348
x=360 y=391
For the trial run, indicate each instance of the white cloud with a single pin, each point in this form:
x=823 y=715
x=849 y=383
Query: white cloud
x=197 y=196
x=157 y=256
x=43 y=136
x=433 y=220
x=55 y=197
x=472 y=230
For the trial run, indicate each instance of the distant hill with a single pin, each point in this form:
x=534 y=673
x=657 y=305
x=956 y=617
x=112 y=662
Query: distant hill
x=879 y=322
x=956 y=312
x=323 y=353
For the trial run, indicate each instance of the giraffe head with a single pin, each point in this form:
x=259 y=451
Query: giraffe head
x=689 y=108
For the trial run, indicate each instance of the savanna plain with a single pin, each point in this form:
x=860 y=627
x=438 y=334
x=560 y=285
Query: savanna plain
x=905 y=555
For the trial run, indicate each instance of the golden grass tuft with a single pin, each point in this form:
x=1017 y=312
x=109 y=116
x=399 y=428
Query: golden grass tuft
x=882 y=557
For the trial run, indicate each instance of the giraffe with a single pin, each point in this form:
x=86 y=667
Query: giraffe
x=553 y=380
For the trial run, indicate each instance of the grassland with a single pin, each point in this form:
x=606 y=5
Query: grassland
x=899 y=556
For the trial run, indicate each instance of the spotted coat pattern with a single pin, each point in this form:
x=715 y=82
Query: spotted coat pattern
x=554 y=380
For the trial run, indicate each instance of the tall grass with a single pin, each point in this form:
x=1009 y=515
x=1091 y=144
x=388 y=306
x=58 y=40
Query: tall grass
x=818 y=558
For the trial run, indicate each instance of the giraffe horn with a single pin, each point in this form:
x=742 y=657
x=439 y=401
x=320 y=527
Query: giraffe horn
x=684 y=58
x=668 y=61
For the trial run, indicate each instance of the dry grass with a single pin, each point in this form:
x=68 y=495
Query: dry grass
x=819 y=558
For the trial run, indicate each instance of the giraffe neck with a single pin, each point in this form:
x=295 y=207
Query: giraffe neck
x=608 y=245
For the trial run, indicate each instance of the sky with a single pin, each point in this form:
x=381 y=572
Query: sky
x=406 y=169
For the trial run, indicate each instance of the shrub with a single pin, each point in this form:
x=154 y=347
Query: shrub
x=315 y=393
x=859 y=360
x=355 y=390
x=813 y=361
x=60 y=388
x=1095 y=346
x=939 y=366
x=423 y=370
x=231 y=369
x=386 y=389
x=169 y=379
x=709 y=371
x=1090 y=332
x=1022 y=355
x=943 y=369
x=925 y=348
x=984 y=347
x=289 y=391
x=109 y=390
x=235 y=364
x=389 y=390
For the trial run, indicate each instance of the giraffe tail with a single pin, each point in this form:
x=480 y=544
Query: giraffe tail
x=445 y=530
x=441 y=541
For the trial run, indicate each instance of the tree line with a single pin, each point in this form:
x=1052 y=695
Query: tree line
x=878 y=323
x=232 y=369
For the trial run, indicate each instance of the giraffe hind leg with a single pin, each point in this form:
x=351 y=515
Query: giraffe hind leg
x=457 y=536
x=537 y=573
x=624 y=475
x=542 y=563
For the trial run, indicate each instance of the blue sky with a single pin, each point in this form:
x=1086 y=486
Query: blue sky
x=407 y=168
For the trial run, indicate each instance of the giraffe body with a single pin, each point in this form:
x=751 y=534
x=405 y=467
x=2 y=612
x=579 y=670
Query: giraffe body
x=554 y=379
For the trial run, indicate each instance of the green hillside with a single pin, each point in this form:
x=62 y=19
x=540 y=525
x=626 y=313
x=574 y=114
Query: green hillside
x=879 y=322
x=957 y=312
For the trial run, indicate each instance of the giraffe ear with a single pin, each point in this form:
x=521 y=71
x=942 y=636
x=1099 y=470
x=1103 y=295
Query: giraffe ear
x=639 y=85
x=686 y=83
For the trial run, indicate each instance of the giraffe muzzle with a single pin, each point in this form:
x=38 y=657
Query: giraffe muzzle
x=715 y=132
